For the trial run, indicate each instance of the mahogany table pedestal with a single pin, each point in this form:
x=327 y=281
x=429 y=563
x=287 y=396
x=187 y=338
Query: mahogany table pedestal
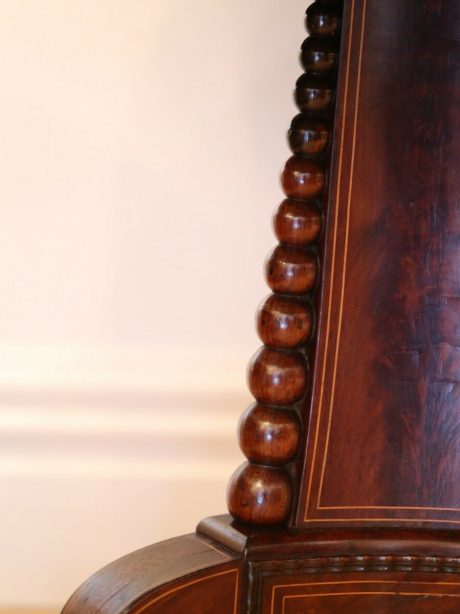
x=350 y=499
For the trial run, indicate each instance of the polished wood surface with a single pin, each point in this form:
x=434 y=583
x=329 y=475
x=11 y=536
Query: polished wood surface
x=278 y=374
x=260 y=494
x=349 y=499
x=285 y=322
x=354 y=570
x=188 y=573
x=268 y=436
x=384 y=442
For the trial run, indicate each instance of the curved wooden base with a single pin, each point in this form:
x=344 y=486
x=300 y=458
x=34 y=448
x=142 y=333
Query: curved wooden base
x=361 y=571
x=186 y=574
x=229 y=568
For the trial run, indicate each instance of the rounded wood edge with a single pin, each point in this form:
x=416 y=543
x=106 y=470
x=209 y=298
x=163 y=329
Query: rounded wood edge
x=259 y=544
x=154 y=578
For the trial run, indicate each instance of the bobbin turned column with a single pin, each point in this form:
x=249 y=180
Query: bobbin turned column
x=261 y=491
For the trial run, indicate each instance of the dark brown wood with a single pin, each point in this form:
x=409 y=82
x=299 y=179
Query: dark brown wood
x=324 y=18
x=350 y=498
x=374 y=593
x=291 y=270
x=277 y=377
x=384 y=441
x=277 y=374
x=269 y=436
x=285 y=322
x=293 y=565
x=308 y=136
x=320 y=56
x=260 y=495
x=434 y=549
x=303 y=178
x=188 y=573
x=314 y=94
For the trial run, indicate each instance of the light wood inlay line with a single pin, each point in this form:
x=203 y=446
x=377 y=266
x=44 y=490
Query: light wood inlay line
x=334 y=244
x=327 y=335
x=345 y=255
x=366 y=583
x=203 y=579
x=363 y=594
x=392 y=519
x=222 y=554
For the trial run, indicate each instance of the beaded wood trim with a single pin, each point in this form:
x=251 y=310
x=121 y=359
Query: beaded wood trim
x=261 y=491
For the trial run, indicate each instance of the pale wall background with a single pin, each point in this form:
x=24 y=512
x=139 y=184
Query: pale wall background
x=141 y=141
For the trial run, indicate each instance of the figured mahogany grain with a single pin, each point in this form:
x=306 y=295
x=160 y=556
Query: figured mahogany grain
x=385 y=440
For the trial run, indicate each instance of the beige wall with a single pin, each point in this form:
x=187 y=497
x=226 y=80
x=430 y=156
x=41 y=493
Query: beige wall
x=140 y=146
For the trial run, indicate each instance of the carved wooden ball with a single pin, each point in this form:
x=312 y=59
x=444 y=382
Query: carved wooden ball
x=268 y=435
x=319 y=55
x=260 y=495
x=303 y=179
x=308 y=136
x=277 y=377
x=291 y=270
x=324 y=18
x=297 y=223
x=314 y=94
x=284 y=322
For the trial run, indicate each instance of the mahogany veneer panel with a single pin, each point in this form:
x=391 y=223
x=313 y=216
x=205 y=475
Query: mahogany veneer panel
x=384 y=439
x=379 y=596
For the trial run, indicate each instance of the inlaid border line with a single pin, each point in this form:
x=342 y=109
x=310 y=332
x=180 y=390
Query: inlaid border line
x=334 y=244
x=196 y=581
x=345 y=254
x=348 y=582
x=339 y=329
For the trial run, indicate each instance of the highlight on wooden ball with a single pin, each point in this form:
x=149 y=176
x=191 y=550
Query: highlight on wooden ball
x=277 y=377
x=269 y=435
x=284 y=322
x=297 y=223
x=260 y=495
x=291 y=270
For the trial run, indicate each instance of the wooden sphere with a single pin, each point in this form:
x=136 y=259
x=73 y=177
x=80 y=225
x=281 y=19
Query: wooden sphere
x=303 y=179
x=297 y=223
x=268 y=435
x=284 y=321
x=260 y=495
x=324 y=18
x=277 y=377
x=319 y=55
x=291 y=270
x=308 y=136
x=314 y=94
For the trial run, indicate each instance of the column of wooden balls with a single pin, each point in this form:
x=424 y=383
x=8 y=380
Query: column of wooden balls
x=260 y=492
